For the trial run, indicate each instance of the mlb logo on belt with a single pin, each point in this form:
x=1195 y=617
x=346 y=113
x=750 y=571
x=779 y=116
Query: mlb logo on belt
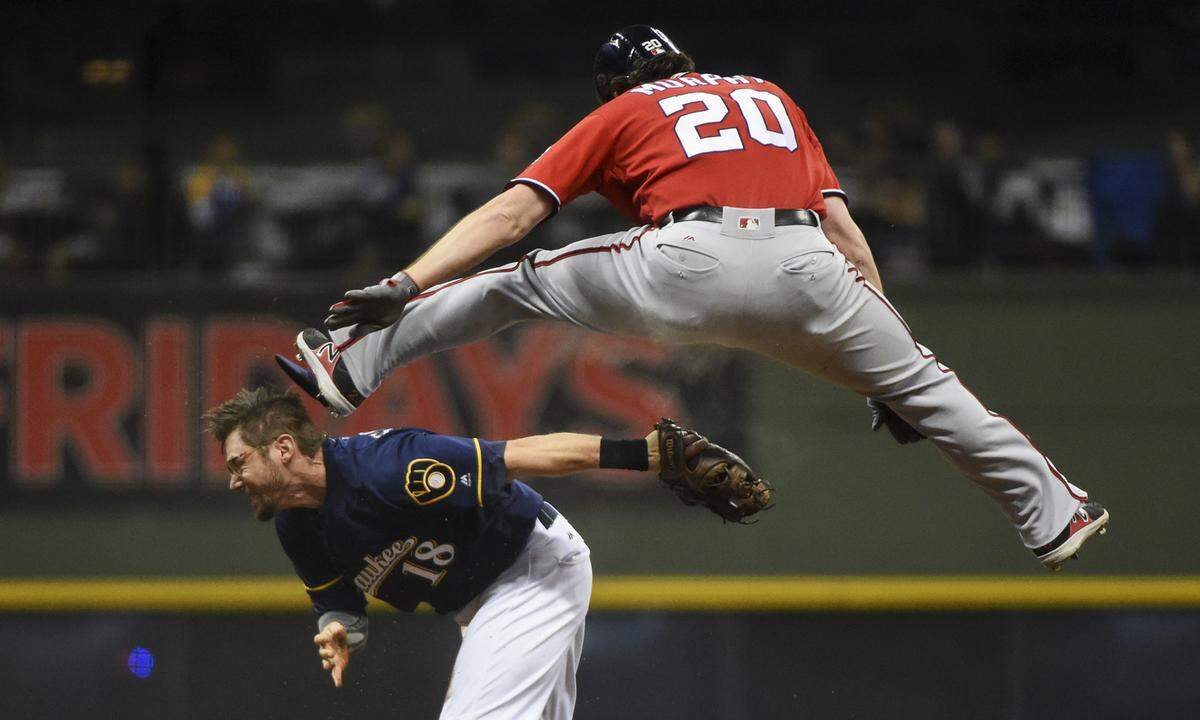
x=747 y=222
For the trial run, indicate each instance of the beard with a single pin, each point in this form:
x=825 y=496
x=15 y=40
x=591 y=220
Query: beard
x=265 y=500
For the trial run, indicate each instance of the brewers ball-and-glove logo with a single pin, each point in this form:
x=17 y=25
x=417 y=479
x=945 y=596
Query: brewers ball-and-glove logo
x=703 y=473
x=428 y=481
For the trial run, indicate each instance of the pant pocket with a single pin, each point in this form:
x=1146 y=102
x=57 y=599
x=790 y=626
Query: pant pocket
x=570 y=547
x=809 y=261
x=575 y=555
x=687 y=258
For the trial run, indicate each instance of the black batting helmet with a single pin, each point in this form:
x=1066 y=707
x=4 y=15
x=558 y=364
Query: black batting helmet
x=625 y=50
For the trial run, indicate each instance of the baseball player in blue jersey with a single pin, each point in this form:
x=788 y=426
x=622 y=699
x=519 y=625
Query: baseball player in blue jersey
x=410 y=516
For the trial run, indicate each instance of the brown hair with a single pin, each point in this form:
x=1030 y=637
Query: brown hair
x=644 y=71
x=263 y=415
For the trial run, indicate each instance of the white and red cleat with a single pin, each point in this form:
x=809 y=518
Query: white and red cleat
x=323 y=375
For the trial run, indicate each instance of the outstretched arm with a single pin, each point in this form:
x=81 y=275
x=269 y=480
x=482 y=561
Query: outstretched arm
x=843 y=232
x=565 y=453
x=500 y=222
x=699 y=472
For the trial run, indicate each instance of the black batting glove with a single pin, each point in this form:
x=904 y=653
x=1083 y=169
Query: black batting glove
x=374 y=307
x=882 y=415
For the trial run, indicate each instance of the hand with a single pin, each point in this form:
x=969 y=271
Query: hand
x=653 y=462
x=372 y=308
x=334 y=650
x=690 y=451
x=900 y=429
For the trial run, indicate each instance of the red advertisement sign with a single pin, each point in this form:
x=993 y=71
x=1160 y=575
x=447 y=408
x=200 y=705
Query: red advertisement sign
x=97 y=402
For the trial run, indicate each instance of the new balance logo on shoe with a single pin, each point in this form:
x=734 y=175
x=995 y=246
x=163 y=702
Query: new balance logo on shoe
x=330 y=353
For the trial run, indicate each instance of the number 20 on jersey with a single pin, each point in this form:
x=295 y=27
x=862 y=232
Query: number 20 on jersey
x=749 y=103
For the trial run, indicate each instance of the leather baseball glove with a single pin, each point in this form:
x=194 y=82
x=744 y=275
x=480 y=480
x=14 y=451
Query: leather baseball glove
x=703 y=473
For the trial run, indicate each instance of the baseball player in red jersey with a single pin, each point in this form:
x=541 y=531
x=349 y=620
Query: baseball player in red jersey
x=743 y=238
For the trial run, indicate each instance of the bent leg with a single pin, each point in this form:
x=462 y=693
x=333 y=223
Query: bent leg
x=869 y=349
x=521 y=647
x=471 y=308
x=561 y=705
x=622 y=283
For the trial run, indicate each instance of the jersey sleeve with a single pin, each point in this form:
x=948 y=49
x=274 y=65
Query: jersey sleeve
x=445 y=471
x=574 y=165
x=829 y=181
x=303 y=540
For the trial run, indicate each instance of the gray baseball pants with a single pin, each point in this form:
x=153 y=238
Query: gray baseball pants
x=786 y=292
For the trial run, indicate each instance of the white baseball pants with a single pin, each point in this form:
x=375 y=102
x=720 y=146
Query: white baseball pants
x=522 y=637
x=783 y=292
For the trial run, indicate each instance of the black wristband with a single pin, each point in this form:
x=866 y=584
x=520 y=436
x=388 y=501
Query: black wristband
x=624 y=454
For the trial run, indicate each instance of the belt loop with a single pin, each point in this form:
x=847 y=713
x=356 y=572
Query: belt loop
x=547 y=514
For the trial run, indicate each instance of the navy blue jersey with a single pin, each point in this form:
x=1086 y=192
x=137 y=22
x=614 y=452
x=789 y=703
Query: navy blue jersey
x=409 y=516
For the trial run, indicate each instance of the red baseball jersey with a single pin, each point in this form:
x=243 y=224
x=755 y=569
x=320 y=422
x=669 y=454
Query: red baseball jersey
x=692 y=139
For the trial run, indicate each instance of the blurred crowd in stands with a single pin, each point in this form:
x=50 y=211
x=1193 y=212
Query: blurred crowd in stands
x=935 y=195
x=928 y=195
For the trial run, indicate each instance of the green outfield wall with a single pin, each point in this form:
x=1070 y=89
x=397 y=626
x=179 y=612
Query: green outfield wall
x=1100 y=371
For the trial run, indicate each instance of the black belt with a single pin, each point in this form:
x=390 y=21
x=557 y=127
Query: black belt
x=547 y=515
x=708 y=213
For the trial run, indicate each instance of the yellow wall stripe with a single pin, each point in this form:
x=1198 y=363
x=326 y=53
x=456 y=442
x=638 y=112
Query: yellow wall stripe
x=688 y=593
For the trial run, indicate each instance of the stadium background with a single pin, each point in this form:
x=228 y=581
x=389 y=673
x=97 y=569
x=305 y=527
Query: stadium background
x=183 y=182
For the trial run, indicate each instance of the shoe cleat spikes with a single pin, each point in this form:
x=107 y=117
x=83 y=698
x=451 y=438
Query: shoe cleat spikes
x=1102 y=530
x=299 y=357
